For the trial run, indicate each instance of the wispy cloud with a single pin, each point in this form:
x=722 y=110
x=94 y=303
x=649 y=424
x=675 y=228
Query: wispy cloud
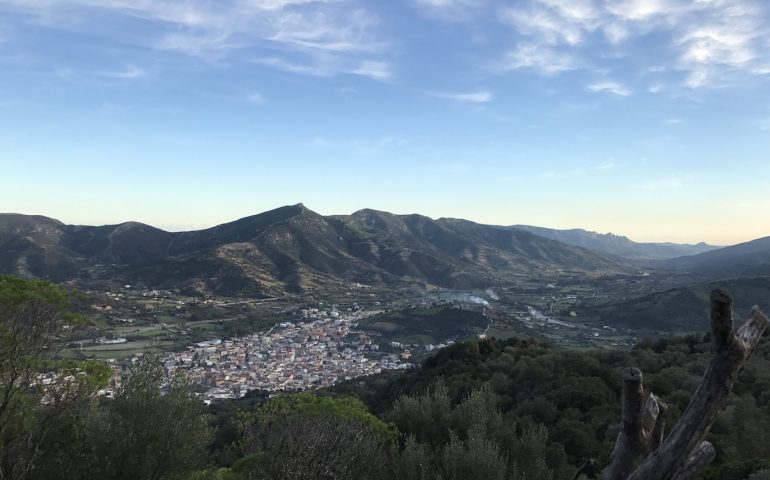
x=608 y=165
x=645 y=10
x=372 y=69
x=698 y=43
x=656 y=88
x=64 y=73
x=209 y=46
x=323 y=31
x=713 y=42
x=540 y=58
x=329 y=66
x=614 y=88
x=553 y=22
x=127 y=73
x=478 y=96
x=449 y=10
x=338 y=34
x=122 y=75
x=724 y=41
x=316 y=70
x=255 y=99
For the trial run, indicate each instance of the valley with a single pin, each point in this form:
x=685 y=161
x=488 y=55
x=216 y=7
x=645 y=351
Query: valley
x=377 y=306
x=406 y=286
x=387 y=329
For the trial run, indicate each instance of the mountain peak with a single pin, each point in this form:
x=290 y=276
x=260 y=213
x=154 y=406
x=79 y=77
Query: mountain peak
x=132 y=225
x=21 y=218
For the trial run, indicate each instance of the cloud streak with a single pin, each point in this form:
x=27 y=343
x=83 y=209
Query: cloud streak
x=540 y=58
x=255 y=99
x=449 y=10
x=330 y=66
x=130 y=72
x=614 y=88
x=477 y=97
x=335 y=36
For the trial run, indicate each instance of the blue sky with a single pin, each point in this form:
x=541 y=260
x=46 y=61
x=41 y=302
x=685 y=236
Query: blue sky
x=649 y=118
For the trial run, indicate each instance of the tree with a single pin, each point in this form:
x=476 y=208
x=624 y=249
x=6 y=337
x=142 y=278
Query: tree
x=35 y=389
x=141 y=433
x=471 y=440
x=760 y=475
x=684 y=453
x=145 y=433
x=316 y=438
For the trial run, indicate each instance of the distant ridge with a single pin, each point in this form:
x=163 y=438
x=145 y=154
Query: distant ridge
x=618 y=245
x=748 y=258
x=289 y=249
x=684 y=308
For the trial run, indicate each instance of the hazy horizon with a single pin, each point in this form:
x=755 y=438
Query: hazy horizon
x=649 y=119
x=182 y=227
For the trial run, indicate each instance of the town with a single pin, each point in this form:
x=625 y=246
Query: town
x=227 y=347
x=320 y=350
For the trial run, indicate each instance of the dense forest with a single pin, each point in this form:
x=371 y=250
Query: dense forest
x=488 y=409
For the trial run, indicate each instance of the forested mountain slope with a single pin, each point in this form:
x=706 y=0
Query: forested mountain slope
x=289 y=249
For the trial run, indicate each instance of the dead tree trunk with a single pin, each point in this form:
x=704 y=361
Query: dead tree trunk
x=641 y=452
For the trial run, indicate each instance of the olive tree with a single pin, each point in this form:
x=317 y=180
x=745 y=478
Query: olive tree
x=36 y=389
x=316 y=438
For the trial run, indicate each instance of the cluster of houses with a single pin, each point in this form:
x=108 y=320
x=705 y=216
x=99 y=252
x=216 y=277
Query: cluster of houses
x=317 y=352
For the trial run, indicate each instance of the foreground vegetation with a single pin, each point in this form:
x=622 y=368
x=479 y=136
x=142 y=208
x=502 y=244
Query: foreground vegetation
x=491 y=409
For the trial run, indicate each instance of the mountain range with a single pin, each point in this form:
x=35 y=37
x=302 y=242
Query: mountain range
x=618 y=245
x=293 y=249
x=289 y=249
x=745 y=259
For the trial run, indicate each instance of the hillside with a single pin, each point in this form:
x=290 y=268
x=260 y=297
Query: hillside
x=744 y=259
x=575 y=395
x=288 y=250
x=681 y=309
x=38 y=246
x=412 y=244
x=617 y=245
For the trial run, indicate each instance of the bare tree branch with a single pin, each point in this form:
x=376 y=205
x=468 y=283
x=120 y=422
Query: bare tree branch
x=698 y=460
x=660 y=424
x=684 y=453
x=628 y=446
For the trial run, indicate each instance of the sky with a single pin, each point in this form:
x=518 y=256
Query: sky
x=647 y=118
